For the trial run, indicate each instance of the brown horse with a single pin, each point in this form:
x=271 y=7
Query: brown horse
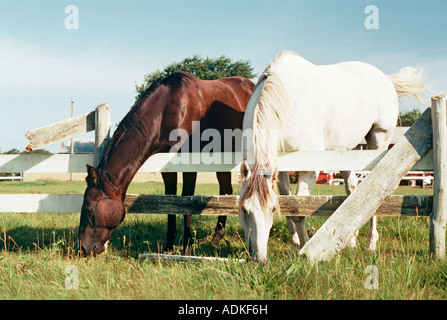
x=174 y=102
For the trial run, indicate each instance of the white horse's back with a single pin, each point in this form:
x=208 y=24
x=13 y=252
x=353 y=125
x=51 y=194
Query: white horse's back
x=333 y=107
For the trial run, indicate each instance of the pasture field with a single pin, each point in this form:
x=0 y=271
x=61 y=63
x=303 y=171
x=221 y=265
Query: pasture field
x=37 y=255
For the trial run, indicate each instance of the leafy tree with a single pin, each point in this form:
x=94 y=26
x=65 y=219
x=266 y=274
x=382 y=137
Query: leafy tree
x=406 y=119
x=205 y=69
x=17 y=151
x=13 y=151
x=37 y=151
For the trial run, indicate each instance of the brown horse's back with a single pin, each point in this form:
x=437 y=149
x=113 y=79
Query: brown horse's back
x=216 y=104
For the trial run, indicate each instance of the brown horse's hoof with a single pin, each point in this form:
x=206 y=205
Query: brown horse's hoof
x=168 y=249
x=217 y=237
x=186 y=252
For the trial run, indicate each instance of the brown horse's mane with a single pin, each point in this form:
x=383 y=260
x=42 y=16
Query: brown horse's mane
x=133 y=118
x=144 y=95
x=174 y=80
x=109 y=185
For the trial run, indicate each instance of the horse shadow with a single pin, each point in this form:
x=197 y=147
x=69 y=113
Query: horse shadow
x=137 y=234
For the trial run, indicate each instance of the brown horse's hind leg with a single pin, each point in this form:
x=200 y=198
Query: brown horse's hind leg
x=170 y=181
x=189 y=185
x=225 y=187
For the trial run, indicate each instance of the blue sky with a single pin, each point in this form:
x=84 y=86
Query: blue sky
x=44 y=65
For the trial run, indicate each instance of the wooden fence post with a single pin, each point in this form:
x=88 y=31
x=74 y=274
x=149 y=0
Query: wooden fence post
x=102 y=131
x=438 y=217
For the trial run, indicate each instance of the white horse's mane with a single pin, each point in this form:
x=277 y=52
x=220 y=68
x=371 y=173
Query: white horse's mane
x=270 y=113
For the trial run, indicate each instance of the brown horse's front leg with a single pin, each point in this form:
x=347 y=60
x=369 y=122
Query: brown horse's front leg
x=171 y=233
x=189 y=185
x=187 y=236
x=219 y=231
x=170 y=181
x=225 y=187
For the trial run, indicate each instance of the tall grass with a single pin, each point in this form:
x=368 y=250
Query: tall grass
x=36 y=250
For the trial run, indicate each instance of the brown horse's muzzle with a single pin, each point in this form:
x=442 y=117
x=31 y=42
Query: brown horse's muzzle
x=93 y=240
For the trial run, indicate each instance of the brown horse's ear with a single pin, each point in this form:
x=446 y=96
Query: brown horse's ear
x=92 y=177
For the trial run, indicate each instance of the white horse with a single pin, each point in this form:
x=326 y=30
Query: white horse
x=299 y=106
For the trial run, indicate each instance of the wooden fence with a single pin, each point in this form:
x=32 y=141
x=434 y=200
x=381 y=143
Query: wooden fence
x=99 y=120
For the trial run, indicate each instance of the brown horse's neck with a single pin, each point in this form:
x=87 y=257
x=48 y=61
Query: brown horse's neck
x=125 y=157
x=173 y=103
x=134 y=141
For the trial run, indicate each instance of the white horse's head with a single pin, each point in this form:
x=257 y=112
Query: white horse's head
x=258 y=204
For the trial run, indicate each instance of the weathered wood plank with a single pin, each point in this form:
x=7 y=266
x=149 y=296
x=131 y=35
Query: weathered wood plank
x=102 y=132
x=44 y=163
x=290 y=205
x=159 y=256
x=192 y=162
x=362 y=204
x=163 y=162
x=438 y=218
x=398 y=206
x=295 y=161
x=60 y=130
x=204 y=205
x=27 y=203
x=211 y=205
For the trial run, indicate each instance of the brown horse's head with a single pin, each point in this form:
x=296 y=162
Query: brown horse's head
x=101 y=213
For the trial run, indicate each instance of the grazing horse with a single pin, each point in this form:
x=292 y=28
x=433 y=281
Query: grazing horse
x=179 y=101
x=299 y=106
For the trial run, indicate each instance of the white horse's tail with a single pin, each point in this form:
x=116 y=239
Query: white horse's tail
x=408 y=81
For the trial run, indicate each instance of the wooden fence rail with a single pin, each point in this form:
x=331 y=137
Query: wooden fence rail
x=162 y=162
x=211 y=205
x=98 y=120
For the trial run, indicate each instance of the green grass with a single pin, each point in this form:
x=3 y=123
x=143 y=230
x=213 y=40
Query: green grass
x=36 y=249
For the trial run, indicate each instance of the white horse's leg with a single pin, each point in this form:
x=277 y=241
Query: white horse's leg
x=351 y=183
x=373 y=235
x=377 y=139
x=306 y=181
x=284 y=189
